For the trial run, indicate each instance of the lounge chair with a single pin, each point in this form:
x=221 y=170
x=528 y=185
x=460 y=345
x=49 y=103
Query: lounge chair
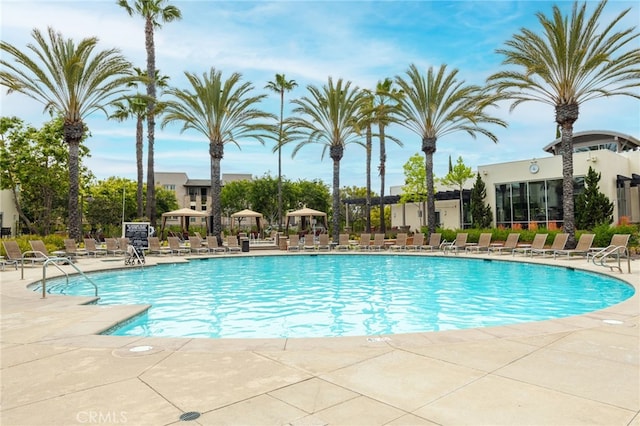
x=232 y=244
x=294 y=243
x=417 y=243
x=458 y=244
x=378 y=242
x=435 y=241
x=196 y=246
x=213 y=246
x=537 y=244
x=509 y=245
x=559 y=243
x=156 y=248
x=174 y=245
x=71 y=250
x=364 y=242
x=309 y=242
x=483 y=244
x=112 y=247
x=92 y=249
x=323 y=242
x=343 y=242
x=616 y=248
x=401 y=242
x=582 y=247
x=13 y=254
x=123 y=243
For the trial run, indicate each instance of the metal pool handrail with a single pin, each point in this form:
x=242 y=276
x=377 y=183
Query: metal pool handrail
x=55 y=261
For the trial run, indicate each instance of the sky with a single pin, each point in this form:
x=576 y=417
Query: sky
x=310 y=41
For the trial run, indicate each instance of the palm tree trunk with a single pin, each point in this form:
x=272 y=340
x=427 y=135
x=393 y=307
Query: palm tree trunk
x=280 y=161
x=566 y=115
x=151 y=124
x=216 y=151
x=369 y=144
x=429 y=148
x=383 y=160
x=336 y=151
x=139 y=136
x=73 y=133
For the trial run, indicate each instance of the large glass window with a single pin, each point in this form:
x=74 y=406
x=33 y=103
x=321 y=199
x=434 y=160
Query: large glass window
x=525 y=202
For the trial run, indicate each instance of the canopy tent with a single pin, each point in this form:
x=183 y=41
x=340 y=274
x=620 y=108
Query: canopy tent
x=184 y=215
x=307 y=216
x=249 y=214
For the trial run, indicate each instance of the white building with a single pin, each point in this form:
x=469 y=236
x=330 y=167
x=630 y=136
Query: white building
x=530 y=190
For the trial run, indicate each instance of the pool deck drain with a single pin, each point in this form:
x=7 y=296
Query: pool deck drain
x=56 y=370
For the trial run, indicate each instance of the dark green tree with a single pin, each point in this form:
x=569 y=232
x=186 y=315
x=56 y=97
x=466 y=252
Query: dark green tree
x=593 y=208
x=34 y=167
x=481 y=215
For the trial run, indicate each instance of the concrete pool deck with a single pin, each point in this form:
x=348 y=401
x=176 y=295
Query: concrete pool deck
x=55 y=370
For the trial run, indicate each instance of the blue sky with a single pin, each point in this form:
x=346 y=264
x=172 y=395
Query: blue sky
x=309 y=41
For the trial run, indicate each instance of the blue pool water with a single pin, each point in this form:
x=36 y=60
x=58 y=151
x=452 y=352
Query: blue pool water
x=337 y=295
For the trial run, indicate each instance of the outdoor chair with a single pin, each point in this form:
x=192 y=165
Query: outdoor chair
x=559 y=243
x=417 y=243
x=112 y=247
x=582 y=247
x=458 y=244
x=195 y=245
x=309 y=242
x=294 y=243
x=509 y=245
x=176 y=248
x=232 y=244
x=365 y=242
x=537 y=244
x=343 y=242
x=213 y=246
x=435 y=241
x=156 y=248
x=483 y=244
x=92 y=249
x=323 y=242
x=401 y=242
x=71 y=250
x=378 y=242
x=13 y=254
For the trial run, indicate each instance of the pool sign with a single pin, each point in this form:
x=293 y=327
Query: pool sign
x=137 y=233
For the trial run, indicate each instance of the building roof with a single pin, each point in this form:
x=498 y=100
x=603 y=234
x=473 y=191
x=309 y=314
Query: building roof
x=591 y=137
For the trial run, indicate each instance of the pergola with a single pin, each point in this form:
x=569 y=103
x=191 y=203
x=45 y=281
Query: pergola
x=249 y=214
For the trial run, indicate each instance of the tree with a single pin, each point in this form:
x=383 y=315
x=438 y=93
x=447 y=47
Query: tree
x=235 y=196
x=154 y=13
x=135 y=106
x=34 y=167
x=355 y=212
x=329 y=117
x=385 y=109
x=481 y=215
x=573 y=61
x=457 y=177
x=71 y=80
x=280 y=86
x=224 y=111
x=414 y=189
x=367 y=122
x=593 y=208
x=437 y=105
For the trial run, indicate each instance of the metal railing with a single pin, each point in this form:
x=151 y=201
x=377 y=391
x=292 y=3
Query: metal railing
x=55 y=261
x=611 y=253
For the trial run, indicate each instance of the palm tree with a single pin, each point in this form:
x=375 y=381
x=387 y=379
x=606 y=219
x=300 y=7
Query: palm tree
x=437 y=105
x=573 y=61
x=71 y=80
x=154 y=13
x=135 y=106
x=330 y=117
x=224 y=112
x=280 y=86
x=385 y=113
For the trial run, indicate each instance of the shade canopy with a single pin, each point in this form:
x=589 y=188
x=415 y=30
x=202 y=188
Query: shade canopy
x=249 y=214
x=306 y=216
x=183 y=214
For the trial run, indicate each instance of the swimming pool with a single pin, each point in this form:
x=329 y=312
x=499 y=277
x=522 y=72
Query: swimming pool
x=343 y=295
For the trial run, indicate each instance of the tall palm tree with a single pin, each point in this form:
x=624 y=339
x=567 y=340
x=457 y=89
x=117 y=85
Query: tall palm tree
x=135 y=106
x=154 y=13
x=437 y=105
x=73 y=80
x=385 y=111
x=280 y=86
x=329 y=116
x=224 y=111
x=574 y=60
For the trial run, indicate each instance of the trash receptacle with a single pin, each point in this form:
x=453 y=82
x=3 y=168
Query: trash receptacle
x=245 y=244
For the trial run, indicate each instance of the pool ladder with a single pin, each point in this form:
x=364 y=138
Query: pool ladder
x=611 y=252
x=56 y=261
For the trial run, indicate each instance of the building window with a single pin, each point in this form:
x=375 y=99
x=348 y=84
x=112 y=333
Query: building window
x=170 y=187
x=522 y=203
